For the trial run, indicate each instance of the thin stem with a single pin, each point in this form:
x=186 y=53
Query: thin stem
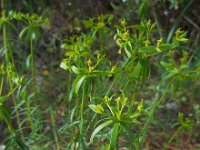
x=173 y=136
x=81 y=115
x=1 y=86
x=135 y=90
x=5 y=45
x=9 y=57
x=29 y=114
x=32 y=60
x=116 y=77
x=157 y=23
x=10 y=128
x=111 y=86
x=10 y=54
x=153 y=110
x=82 y=101
x=176 y=22
x=15 y=104
x=54 y=131
x=3 y=8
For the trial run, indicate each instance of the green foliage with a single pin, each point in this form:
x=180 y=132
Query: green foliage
x=183 y=124
x=11 y=78
x=92 y=67
x=197 y=113
x=116 y=79
x=119 y=115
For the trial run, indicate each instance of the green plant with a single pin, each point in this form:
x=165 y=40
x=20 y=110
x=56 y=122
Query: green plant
x=196 y=108
x=87 y=65
x=11 y=78
x=119 y=82
x=31 y=33
x=119 y=115
x=5 y=112
x=183 y=123
x=129 y=74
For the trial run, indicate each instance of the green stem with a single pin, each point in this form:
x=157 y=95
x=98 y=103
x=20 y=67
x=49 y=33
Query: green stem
x=81 y=115
x=101 y=43
x=157 y=23
x=135 y=90
x=5 y=45
x=82 y=101
x=176 y=22
x=29 y=114
x=32 y=60
x=54 y=131
x=17 y=113
x=1 y=86
x=8 y=54
x=173 y=136
x=10 y=128
x=116 y=77
x=3 y=8
x=111 y=86
x=151 y=114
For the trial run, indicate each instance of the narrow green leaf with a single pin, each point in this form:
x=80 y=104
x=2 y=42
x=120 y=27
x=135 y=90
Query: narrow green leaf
x=114 y=136
x=142 y=11
x=23 y=32
x=4 y=113
x=63 y=65
x=184 y=40
x=137 y=71
x=100 y=127
x=145 y=70
x=75 y=70
x=167 y=76
x=34 y=33
x=3 y=98
x=88 y=23
x=128 y=53
x=20 y=143
x=12 y=26
x=93 y=107
x=149 y=50
x=64 y=46
x=166 y=65
x=28 y=61
x=97 y=108
x=77 y=83
x=139 y=27
x=166 y=46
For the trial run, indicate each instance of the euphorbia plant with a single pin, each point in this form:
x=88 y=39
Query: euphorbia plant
x=11 y=78
x=30 y=33
x=93 y=71
x=117 y=115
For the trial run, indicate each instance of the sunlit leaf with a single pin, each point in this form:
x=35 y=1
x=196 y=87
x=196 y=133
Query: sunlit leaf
x=97 y=108
x=114 y=136
x=77 y=83
x=100 y=127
